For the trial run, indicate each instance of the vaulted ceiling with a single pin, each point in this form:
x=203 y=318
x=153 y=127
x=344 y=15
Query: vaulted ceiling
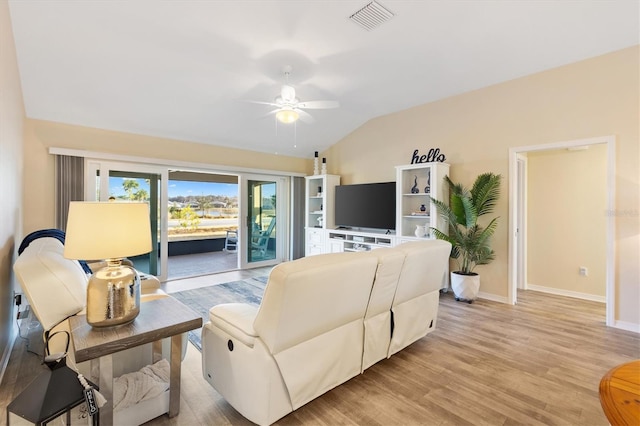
x=188 y=69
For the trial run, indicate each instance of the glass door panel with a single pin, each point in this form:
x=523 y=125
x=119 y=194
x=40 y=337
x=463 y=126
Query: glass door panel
x=120 y=182
x=262 y=242
x=263 y=234
x=126 y=186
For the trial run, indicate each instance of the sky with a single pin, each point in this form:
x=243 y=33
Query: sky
x=177 y=188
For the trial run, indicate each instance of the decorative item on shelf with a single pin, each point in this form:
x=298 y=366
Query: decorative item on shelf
x=427 y=189
x=110 y=231
x=423 y=208
x=414 y=189
x=324 y=166
x=320 y=221
x=420 y=231
x=316 y=166
x=433 y=156
x=319 y=191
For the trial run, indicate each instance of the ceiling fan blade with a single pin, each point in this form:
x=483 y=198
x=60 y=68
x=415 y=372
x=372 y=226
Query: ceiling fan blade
x=305 y=116
x=264 y=103
x=269 y=114
x=318 y=104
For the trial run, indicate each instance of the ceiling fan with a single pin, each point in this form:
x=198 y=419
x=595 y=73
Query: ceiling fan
x=289 y=108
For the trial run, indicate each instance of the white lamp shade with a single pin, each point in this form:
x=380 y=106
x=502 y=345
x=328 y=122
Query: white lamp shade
x=110 y=230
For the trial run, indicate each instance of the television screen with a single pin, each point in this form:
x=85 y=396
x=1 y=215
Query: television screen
x=369 y=205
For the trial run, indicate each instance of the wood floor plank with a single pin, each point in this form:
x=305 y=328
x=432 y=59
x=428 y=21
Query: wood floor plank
x=536 y=363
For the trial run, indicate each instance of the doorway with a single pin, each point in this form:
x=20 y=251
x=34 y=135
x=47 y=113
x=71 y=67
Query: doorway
x=517 y=216
x=202 y=211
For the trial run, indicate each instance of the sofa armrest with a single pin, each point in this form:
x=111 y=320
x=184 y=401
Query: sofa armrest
x=149 y=284
x=236 y=319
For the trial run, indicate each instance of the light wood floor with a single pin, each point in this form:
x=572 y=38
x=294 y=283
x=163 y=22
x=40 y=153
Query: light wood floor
x=487 y=363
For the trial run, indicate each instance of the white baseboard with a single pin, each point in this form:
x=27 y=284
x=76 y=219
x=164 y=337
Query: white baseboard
x=7 y=351
x=492 y=297
x=628 y=326
x=568 y=293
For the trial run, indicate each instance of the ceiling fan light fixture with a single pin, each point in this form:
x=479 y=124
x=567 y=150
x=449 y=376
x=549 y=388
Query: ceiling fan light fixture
x=287 y=116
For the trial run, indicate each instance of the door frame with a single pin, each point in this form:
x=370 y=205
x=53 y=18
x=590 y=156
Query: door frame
x=282 y=219
x=521 y=224
x=514 y=194
x=92 y=166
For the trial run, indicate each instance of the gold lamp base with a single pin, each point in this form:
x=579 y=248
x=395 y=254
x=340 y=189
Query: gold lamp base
x=113 y=295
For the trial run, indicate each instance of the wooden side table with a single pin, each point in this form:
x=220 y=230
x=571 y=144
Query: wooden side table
x=158 y=319
x=620 y=394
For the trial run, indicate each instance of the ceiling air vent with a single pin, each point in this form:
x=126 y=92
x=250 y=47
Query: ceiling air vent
x=371 y=16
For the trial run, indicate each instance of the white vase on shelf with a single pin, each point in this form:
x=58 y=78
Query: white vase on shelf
x=421 y=231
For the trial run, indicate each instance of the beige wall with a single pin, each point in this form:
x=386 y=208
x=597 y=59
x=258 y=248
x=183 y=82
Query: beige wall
x=475 y=130
x=566 y=206
x=40 y=168
x=11 y=125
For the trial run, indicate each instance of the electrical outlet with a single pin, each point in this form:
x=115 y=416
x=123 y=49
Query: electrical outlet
x=24 y=314
x=583 y=271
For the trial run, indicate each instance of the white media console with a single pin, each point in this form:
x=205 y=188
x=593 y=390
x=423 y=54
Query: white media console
x=415 y=184
x=339 y=240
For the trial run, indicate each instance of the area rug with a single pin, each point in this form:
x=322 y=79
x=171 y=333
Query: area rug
x=204 y=298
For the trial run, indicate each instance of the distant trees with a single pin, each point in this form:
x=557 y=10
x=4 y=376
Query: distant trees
x=133 y=191
x=188 y=218
x=206 y=200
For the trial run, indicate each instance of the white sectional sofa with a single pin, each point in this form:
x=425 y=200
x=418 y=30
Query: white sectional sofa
x=323 y=320
x=56 y=289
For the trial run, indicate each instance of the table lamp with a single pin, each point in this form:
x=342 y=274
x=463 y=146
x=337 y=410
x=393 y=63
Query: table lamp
x=109 y=231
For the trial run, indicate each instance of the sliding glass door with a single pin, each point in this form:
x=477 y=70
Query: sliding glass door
x=264 y=229
x=261 y=216
x=134 y=183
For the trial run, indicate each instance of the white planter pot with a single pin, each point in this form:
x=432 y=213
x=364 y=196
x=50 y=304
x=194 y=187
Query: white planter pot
x=465 y=287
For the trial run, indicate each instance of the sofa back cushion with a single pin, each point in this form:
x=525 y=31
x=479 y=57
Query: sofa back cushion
x=377 y=320
x=312 y=295
x=424 y=268
x=311 y=320
x=415 y=305
x=54 y=286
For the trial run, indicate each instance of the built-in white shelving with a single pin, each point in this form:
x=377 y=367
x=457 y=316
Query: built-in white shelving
x=319 y=211
x=415 y=184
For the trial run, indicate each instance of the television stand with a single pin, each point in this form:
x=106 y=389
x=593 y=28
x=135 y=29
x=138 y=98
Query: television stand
x=341 y=240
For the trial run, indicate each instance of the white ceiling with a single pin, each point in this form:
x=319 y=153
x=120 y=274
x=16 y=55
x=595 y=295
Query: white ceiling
x=185 y=69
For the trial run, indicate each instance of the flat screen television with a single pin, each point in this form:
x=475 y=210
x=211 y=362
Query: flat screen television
x=367 y=205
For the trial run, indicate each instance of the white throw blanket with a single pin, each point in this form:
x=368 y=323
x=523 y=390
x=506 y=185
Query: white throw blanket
x=148 y=383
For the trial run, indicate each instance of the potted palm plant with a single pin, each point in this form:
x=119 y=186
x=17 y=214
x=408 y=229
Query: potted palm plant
x=471 y=243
